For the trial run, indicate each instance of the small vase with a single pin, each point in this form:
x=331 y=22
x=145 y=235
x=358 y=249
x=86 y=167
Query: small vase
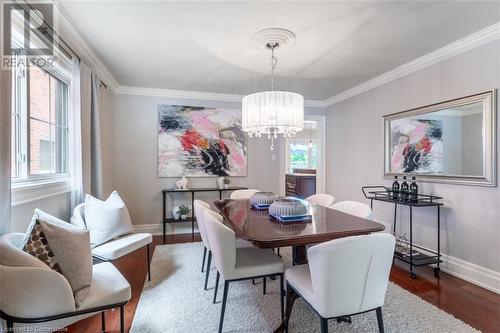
x=175 y=212
x=220 y=182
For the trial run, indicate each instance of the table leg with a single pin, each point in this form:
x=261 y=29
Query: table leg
x=412 y=274
x=395 y=218
x=299 y=254
x=163 y=217
x=437 y=269
x=192 y=214
x=220 y=194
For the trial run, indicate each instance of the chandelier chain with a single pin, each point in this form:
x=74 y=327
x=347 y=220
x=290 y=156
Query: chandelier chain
x=273 y=62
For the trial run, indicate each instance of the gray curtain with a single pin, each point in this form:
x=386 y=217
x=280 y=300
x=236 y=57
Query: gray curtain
x=91 y=132
x=5 y=148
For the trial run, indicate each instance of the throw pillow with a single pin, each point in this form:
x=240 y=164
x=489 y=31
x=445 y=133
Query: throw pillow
x=106 y=220
x=67 y=250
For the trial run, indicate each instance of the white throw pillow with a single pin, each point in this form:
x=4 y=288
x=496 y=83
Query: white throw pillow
x=106 y=220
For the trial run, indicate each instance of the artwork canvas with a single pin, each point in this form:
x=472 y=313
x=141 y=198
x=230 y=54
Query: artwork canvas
x=200 y=142
x=416 y=146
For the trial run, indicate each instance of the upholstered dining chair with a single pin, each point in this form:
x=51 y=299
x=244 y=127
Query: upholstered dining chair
x=34 y=297
x=355 y=208
x=321 y=199
x=359 y=209
x=200 y=207
x=236 y=264
x=344 y=277
x=243 y=194
x=118 y=247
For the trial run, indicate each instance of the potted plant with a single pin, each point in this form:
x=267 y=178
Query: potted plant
x=184 y=211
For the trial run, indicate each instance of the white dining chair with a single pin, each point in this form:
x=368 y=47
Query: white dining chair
x=355 y=208
x=35 y=298
x=236 y=264
x=321 y=199
x=344 y=277
x=243 y=194
x=200 y=207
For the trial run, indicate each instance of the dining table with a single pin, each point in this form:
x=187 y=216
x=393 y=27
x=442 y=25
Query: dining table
x=264 y=231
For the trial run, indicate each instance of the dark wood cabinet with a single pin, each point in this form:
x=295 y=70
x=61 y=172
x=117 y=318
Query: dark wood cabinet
x=300 y=185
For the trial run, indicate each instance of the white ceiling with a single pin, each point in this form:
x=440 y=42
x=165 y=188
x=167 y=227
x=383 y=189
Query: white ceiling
x=205 y=46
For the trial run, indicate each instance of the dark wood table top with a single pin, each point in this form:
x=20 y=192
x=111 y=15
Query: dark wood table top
x=204 y=189
x=257 y=227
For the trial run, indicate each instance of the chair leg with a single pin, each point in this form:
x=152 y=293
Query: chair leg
x=324 y=325
x=253 y=280
x=122 y=319
x=216 y=286
x=209 y=262
x=380 y=320
x=223 y=309
x=103 y=322
x=204 y=256
x=291 y=296
x=149 y=264
x=282 y=302
x=264 y=286
x=10 y=326
x=278 y=252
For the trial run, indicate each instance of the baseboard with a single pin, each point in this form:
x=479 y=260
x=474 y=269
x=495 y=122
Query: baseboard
x=171 y=228
x=478 y=275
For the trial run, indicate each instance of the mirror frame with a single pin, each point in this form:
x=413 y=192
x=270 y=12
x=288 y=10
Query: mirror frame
x=489 y=140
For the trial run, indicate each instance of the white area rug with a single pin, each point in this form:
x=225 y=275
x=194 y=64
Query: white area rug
x=175 y=301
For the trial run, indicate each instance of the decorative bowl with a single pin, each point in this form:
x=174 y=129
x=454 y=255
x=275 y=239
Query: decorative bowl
x=262 y=199
x=287 y=207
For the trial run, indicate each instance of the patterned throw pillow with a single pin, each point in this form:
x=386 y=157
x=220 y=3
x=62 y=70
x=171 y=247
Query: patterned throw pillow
x=38 y=246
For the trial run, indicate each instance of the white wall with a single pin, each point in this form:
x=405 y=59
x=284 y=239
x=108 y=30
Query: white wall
x=471 y=215
x=135 y=160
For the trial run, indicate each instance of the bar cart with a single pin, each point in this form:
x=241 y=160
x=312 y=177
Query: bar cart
x=430 y=257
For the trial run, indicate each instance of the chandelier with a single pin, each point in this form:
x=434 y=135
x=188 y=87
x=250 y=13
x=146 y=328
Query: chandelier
x=273 y=112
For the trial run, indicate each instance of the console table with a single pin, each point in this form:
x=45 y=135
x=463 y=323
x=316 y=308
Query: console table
x=192 y=219
x=381 y=193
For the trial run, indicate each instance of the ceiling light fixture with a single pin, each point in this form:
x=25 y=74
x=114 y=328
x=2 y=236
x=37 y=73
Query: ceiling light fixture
x=273 y=112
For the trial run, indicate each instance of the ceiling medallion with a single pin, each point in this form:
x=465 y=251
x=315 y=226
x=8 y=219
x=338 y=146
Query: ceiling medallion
x=273 y=112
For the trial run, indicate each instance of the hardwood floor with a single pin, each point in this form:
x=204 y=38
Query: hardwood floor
x=476 y=306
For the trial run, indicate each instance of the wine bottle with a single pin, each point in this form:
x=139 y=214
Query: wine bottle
x=405 y=189
x=413 y=190
x=395 y=188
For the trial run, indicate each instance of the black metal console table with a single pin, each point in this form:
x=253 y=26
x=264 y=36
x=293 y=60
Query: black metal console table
x=381 y=193
x=191 y=219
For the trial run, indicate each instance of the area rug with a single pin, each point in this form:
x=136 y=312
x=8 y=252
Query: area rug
x=175 y=301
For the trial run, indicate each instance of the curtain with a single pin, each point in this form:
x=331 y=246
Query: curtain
x=75 y=140
x=5 y=148
x=90 y=132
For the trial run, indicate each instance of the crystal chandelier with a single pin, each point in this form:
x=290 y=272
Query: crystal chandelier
x=273 y=112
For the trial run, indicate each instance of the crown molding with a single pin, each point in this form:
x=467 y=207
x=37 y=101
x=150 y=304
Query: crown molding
x=74 y=40
x=463 y=45
x=194 y=95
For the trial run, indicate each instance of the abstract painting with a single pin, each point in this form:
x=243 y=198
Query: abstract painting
x=416 y=146
x=200 y=142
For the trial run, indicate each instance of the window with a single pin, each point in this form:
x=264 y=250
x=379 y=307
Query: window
x=39 y=125
x=302 y=155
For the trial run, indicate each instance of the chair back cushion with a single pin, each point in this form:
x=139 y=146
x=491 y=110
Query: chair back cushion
x=355 y=208
x=78 y=217
x=243 y=194
x=321 y=199
x=106 y=220
x=223 y=243
x=350 y=275
x=199 y=208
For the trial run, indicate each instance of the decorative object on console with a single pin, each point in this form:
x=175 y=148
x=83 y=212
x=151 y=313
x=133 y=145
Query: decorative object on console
x=182 y=184
x=220 y=182
x=262 y=200
x=227 y=182
x=200 y=142
x=273 y=112
x=184 y=212
x=449 y=142
x=176 y=212
x=289 y=210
